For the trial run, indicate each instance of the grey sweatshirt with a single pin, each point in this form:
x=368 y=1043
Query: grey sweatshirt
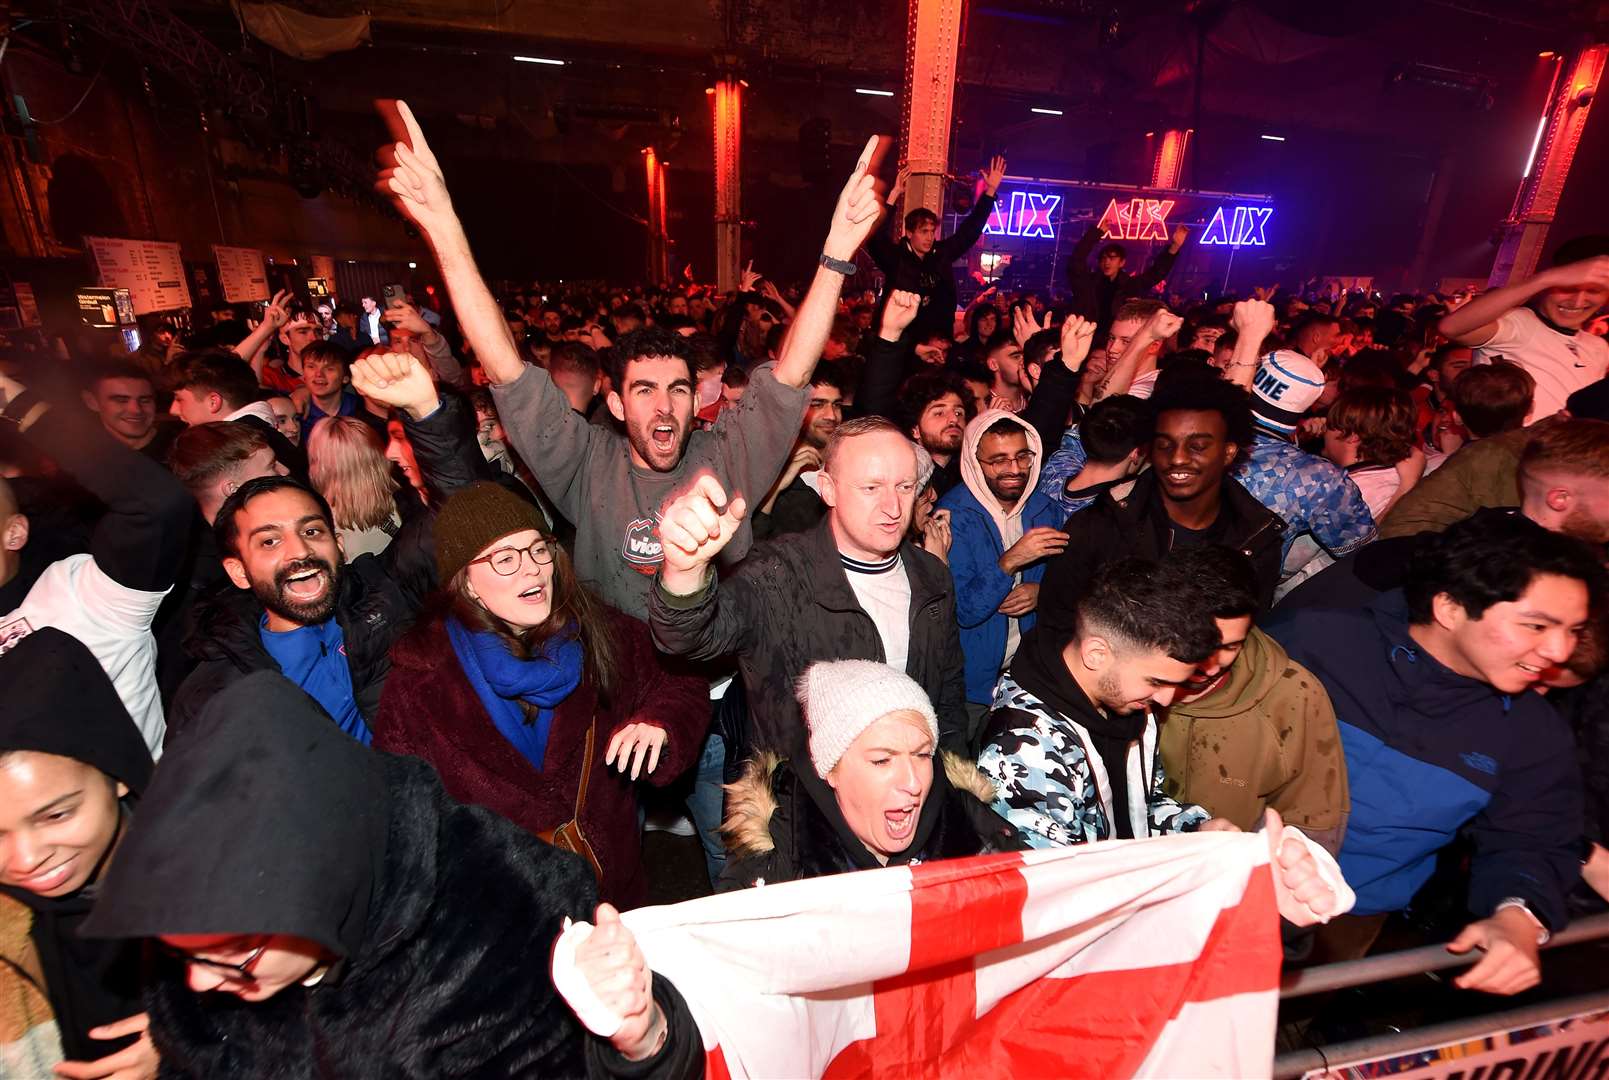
x=587 y=471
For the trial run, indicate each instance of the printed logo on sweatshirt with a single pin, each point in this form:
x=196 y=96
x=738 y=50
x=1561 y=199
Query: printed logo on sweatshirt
x=1480 y=762
x=641 y=547
x=13 y=632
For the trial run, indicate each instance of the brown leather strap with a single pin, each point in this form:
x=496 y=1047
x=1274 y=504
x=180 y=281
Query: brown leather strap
x=586 y=770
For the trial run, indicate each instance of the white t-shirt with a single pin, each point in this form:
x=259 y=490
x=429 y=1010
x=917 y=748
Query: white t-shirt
x=885 y=595
x=1379 y=484
x=113 y=622
x=1144 y=385
x=1561 y=364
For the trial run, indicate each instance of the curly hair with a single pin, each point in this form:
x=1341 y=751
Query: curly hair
x=1193 y=392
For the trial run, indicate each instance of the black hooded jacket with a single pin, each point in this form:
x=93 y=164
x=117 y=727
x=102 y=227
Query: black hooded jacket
x=57 y=700
x=443 y=916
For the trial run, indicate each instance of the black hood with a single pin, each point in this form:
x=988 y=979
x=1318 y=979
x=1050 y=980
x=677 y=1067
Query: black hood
x=59 y=700
x=265 y=819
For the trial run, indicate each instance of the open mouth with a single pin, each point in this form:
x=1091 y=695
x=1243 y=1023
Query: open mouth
x=900 y=823
x=1179 y=476
x=1533 y=672
x=303 y=585
x=663 y=437
x=534 y=593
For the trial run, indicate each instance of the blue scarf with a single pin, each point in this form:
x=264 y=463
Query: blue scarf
x=502 y=681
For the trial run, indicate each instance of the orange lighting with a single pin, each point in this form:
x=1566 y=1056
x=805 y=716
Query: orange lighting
x=1168 y=168
x=728 y=194
x=1546 y=55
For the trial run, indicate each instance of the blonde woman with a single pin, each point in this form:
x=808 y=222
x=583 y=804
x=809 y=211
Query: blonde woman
x=347 y=464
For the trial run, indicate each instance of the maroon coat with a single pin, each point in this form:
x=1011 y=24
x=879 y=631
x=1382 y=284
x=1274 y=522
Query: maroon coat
x=430 y=710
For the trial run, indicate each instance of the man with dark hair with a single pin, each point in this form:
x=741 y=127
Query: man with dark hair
x=1076 y=705
x=325 y=375
x=1098 y=292
x=1313 y=335
x=1250 y=729
x=1537 y=323
x=1002 y=531
x=935 y=407
x=1492 y=398
x=1106 y=450
x=577 y=371
x=921 y=263
x=124 y=398
x=852 y=588
x=1189 y=498
x=216 y=385
x=106 y=597
x=349 y=335
x=613 y=487
x=213 y=460
x=1432 y=690
x=300 y=607
x=1008 y=390
x=793 y=505
x=1368 y=432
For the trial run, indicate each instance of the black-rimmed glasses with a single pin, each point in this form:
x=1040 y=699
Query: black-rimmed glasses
x=240 y=972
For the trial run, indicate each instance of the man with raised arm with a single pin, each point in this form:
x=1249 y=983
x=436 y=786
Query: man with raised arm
x=614 y=486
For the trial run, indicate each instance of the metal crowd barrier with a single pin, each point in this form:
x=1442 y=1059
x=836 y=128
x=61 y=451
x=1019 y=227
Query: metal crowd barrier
x=1396 y=965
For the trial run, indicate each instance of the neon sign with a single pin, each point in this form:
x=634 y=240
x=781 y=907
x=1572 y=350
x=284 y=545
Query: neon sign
x=1136 y=219
x=1245 y=228
x=1029 y=215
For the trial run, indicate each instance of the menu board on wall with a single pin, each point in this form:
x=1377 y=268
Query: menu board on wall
x=241 y=274
x=151 y=270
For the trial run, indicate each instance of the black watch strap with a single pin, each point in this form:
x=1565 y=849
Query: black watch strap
x=839 y=266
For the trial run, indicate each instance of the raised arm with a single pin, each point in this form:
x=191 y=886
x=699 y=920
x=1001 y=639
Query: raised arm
x=1053 y=399
x=886 y=357
x=412 y=177
x=966 y=234
x=141 y=540
x=253 y=349
x=1253 y=321
x=853 y=219
x=1159 y=327
x=1476 y=322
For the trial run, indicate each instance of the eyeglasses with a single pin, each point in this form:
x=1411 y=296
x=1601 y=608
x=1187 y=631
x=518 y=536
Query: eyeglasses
x=505 y=562
x=1023 y=459
x=240 y=972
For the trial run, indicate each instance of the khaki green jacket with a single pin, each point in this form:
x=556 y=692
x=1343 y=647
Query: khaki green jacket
x=1263 y=737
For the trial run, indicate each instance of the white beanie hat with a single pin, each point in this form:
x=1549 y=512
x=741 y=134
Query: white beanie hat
x=1285 y=386
x=842 y=698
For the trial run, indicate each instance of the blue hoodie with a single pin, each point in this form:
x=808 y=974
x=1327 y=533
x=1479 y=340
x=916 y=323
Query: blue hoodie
x=1428 y=750
x=975 y=550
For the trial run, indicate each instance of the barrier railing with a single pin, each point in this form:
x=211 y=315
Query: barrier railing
x=1407 y=962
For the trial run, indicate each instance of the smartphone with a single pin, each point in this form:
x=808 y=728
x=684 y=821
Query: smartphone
x=393 y=295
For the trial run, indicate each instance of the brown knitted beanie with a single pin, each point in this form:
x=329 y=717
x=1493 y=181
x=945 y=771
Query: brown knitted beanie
x=473 y=518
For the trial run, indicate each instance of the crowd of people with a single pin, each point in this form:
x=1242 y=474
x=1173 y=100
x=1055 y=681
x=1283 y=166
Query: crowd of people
x=337 y=659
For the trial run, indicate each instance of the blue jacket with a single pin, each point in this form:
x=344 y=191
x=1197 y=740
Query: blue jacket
x=980 y=584
x=1428 y=750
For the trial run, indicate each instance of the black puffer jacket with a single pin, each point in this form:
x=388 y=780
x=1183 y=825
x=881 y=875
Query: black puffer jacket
x=377 y=599
x=790 y=604
x=451 y=979
x=930 y=276
x=1137 y=526
x=783 y=824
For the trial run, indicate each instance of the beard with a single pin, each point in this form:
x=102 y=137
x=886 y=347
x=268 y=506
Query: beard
x=1000 y=489
x=1583 y=525
x=272 y=594
x=946 y=441
x=659 y=458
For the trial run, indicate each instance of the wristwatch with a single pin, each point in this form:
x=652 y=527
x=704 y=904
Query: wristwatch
x=1542 y=934
x=838 y=266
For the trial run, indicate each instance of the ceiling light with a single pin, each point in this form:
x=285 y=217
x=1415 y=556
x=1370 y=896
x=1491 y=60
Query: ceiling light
x=413 y=266
x=873 y=93
x=1273 y=138
x=1045 y=112
x=540 y=60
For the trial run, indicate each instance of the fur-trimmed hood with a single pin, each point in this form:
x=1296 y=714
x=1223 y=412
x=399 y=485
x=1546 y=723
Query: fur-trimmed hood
x=783 y=823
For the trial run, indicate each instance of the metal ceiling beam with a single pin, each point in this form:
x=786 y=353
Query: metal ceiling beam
x=177 y=48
